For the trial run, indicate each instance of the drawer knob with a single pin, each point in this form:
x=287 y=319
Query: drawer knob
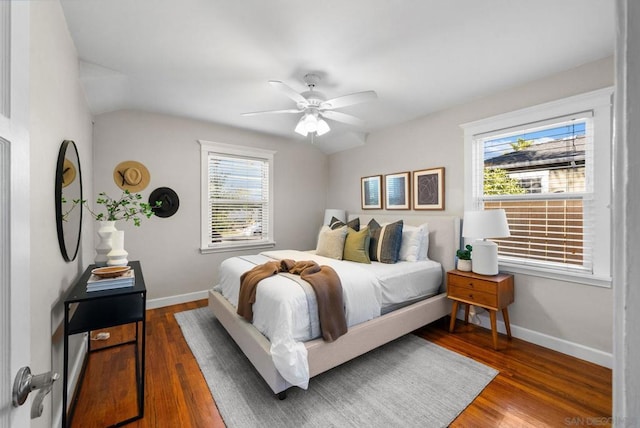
x=471 y=285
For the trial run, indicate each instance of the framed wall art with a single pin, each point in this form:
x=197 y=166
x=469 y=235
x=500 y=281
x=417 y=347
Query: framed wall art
x=371 y=192
x=428 y=189
x=397 y=190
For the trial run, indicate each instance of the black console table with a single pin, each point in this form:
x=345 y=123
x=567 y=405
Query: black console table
x=87 y=311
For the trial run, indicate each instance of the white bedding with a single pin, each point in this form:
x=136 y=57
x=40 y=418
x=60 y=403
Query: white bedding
x=406 y=281
x=286 y=312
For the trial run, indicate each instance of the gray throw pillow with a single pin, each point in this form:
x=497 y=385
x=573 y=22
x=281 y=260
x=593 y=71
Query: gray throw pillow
x=385 y=242
x=353 y=224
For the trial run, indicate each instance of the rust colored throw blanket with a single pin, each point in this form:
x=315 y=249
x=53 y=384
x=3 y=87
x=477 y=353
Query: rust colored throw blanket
x=324 y=281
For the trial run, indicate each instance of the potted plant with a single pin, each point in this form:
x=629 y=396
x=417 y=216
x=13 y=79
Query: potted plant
x=128 y=207
x=464 y=258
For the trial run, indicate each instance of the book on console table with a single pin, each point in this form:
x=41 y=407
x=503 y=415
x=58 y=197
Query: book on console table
x=95 y=283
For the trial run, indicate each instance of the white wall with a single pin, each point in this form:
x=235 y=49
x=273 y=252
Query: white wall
x=571 y=312
x=169 y=247
x=58 y=112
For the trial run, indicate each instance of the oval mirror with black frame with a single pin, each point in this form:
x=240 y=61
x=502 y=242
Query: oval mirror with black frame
x=68 y=193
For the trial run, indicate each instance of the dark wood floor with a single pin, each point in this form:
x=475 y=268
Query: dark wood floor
x=536 y=387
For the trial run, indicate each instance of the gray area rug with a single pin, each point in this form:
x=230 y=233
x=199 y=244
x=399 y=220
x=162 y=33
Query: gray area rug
x=409 y=382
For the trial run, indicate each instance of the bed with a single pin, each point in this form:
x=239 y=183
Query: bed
x=367 y=329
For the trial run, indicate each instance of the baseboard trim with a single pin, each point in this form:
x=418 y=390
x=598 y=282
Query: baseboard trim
x=175 y=300
x=573 y=349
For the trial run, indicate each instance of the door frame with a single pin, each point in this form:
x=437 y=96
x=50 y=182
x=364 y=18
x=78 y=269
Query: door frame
x=15 y=284
x=626 y=344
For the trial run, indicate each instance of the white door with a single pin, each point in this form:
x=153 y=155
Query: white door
x=14 y=206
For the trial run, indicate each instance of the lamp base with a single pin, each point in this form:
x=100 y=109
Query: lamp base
x=484 y=258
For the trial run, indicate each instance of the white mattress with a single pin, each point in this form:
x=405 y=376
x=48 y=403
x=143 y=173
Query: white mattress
x=404 y=282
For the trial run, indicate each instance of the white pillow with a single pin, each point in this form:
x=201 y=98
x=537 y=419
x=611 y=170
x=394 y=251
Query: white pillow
x=412 y=238
x=423 y=254
x=331 y=242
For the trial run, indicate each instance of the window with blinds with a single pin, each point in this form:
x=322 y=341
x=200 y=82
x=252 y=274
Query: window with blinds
x=548 y=166
x=236 y=197
x=540 y=176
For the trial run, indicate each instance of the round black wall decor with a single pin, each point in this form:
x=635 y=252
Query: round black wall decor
x=169 y=199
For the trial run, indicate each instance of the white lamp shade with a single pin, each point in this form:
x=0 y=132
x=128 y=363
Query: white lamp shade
x=311 y=123
x=334 y=212
x=300 y=128
x=485 y=224
x=323 y=127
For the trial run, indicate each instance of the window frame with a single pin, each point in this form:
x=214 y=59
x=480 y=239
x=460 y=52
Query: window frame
x=600 y=103
x=207 y=147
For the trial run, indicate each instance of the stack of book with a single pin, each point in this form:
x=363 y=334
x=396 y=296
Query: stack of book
x=95 y=283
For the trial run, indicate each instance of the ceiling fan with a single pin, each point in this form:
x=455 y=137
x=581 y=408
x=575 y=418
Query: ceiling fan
x=315 y=107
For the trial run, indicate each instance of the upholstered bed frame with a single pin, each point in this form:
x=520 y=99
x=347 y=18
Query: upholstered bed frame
x=444 y=240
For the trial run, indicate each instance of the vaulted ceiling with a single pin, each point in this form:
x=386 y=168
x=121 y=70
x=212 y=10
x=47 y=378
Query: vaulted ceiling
x=212 y=59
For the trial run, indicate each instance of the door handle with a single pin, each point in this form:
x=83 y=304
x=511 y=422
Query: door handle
x=25 y=382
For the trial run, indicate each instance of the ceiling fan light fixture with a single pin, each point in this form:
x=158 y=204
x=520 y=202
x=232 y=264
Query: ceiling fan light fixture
x=311 y=123
x=323 y=127
x=300 y=128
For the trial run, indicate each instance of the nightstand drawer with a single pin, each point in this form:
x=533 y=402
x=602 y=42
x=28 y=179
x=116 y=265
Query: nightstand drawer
x=473 y=296
x=472 y=284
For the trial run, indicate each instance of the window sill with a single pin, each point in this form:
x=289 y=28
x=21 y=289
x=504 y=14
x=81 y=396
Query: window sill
x=586 y=279
x=238 y=247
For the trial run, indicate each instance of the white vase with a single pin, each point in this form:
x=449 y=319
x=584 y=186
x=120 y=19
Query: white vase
x=104 y=245
x=117 y=256
x=464 y=265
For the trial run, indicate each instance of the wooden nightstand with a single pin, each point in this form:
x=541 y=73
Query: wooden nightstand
x=490 y=292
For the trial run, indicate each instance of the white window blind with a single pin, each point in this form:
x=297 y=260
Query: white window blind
x=237 y=198
x=548 y=167
x=541 y=174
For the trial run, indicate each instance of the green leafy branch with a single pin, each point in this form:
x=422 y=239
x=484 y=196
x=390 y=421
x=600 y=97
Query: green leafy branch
x=65 y=215
x=127 y=207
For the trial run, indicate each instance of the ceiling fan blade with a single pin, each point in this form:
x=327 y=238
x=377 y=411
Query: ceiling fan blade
x=288 y=91
x=342 y=117
x=254 y=113
x=347 y=100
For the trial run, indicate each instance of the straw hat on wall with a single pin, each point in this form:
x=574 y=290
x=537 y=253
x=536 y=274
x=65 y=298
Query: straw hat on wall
x=131 y=175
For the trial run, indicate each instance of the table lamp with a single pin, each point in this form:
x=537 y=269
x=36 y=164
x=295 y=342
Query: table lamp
x=481 y=225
